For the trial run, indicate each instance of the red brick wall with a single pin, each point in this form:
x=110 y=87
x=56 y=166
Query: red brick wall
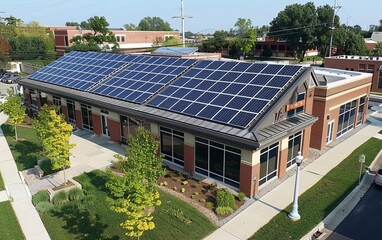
x=114 y=130
x=97 y=124
x=247 y=175
x=78 y=119
x=189 y=158
x=65 y=112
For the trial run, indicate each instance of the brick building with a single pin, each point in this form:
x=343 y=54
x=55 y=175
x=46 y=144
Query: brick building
x=238 y=123
x=128 y=40
x=367 y=64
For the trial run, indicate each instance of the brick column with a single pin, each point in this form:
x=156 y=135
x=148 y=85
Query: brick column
x=78 y=119
x=65 y=112
x=283 y=157
x=97 y=124
x=114 y=130
x=249 y=172
x=189 y=153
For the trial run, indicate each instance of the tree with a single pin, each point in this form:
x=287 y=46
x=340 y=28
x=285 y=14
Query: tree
x=54 y=134
x=267 y=52
x=136 y=192
x=13 y=21
x=98 y=39
x=130 y=27
x=245 y=36
x=154 y=24
x=15 y=110
x=296 y=25
x=349 y=42
x=378 y=50
x=76 y=24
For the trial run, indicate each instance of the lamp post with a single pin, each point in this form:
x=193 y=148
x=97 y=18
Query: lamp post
x=361 y=159
x=293 y=215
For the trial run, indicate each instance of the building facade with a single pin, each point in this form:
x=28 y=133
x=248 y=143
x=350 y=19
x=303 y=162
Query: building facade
x=240 y=124
x=367 y=64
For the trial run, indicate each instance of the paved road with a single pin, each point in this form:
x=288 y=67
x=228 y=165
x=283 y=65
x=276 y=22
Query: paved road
x=364 y=221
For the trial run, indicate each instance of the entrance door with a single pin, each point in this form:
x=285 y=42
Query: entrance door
x=105 y=130
x=329 y=132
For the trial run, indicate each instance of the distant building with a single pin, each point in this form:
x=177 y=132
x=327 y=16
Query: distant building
x=368 y=64
x=129 y=41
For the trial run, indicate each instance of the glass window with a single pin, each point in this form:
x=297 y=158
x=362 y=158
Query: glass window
x=57 y=102
x=172 y=145
x=346 y=118
x=218 y=161
x=71 y=111
x=87 y=119
x=294 y=146
x=361 y=107
x=268 y=163
x=129 y=127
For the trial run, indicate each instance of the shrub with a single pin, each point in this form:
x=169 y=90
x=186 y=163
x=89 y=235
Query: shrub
x=164 y=183
x=209 y=205
x=89 y=200
x=60 y=198
x=40 y=196
x=224 y=198
x=193 y=196
x=75 y=194
x=175 y=188
x=241 y=196
x=182 y=190
x=213 y=186
x=195 y=185
x=202 y=200
x=196 y=193
x=204 y=191
x=89 y=189
x=161 y=184
x=44 y=207
x=184 y=183
x=223 y=210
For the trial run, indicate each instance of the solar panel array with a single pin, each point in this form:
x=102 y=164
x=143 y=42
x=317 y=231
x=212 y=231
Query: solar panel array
x=80 y=70
x=232 y=93
x=143 y=78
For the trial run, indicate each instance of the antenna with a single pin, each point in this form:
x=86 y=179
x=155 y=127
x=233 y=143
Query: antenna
x=182 y=17
x=335 y=7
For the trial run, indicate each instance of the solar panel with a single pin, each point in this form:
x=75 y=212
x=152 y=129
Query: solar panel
x=80 y=70
x=232 y=93
x=174 y=51
x=142 y=79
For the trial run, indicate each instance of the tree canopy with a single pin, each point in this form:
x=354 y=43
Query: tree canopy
x=245 y=36
x=15 y=109
x=136 y=192
x=154 y=24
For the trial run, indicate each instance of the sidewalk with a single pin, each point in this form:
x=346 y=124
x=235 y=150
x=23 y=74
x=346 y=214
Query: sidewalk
x=245 y=224
x=29 y=219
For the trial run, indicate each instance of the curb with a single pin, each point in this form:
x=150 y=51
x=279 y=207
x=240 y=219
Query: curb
x=341 y=212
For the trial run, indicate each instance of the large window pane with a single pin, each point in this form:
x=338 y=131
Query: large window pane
x=216 y=160
x=232 y=166
x=201 y=155
x=172 y=145
x=178 y=147
x=166 y=145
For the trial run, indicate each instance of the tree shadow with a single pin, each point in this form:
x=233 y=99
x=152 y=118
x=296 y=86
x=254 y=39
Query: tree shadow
x=98 y=179
x=8 y=130
x=29 y=153
x=81 y=223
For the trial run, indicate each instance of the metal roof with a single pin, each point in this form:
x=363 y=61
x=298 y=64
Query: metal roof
x=174 y=51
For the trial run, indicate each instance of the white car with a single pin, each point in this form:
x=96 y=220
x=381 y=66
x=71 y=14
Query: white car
x=378 y=177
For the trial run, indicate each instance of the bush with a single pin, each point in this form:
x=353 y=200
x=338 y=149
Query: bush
x=44 y=207
x=224 y=198
x=182 y=190
x=209 y=205
x=40 y=196
x=75 y=194
x=202 y=200
x=89 y=189
x=223 y=210
x=165 y=183
x=241 y=196
x=184 y=183
x=89 y=200
x=60 y=198
x=195 y=185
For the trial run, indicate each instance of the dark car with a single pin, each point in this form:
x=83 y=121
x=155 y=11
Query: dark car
x=9 y=77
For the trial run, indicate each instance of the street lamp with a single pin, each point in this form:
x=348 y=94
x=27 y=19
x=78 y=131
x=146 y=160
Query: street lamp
x=293 y=215
x=361 y=159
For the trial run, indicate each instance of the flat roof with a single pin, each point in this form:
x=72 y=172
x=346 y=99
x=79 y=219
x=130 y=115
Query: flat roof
x=356 y=57
x=332 y=76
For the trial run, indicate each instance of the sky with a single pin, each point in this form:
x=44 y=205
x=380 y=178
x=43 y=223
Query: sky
x=207 y=15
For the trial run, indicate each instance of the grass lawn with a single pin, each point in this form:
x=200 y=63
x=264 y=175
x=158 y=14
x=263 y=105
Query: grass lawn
x=9 y=227
x=92 y=218
x=27 y=150
x=38 y=62
x=317 y=202
x=1 y=183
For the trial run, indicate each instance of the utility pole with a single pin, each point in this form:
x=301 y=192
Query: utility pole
x=335 y=7
x=182 y=17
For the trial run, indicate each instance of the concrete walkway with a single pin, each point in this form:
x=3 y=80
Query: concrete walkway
x=29 y=220
x=245 y=224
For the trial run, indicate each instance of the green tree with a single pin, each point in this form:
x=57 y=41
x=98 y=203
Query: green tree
x=349 y=42
x=54 y=134
x=296 y=25
x=154 y=24
x=131 y=27
x=76 y=24
x=245 y=36
x=378 y=50
x=15 y=109
x=13 y=21
x=136 y=192
x=171 y=41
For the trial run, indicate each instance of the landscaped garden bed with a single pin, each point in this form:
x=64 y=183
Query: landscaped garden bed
x=197 y=193
x=90 y=216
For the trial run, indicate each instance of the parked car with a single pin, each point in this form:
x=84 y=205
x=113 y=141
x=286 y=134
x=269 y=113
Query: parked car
x=378 y=177
x=9 y=77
